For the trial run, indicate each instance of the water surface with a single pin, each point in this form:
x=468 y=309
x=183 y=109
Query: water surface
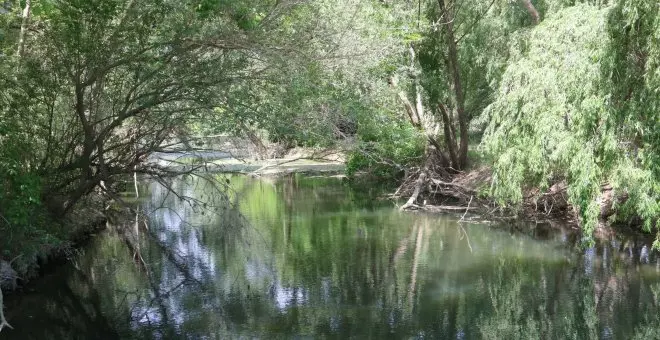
x=311 y=257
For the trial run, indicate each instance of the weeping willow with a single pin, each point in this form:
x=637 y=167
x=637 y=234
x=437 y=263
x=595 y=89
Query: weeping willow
x=580 y=102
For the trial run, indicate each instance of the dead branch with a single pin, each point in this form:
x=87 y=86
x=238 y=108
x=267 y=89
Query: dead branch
x=410 y=110
x=466 y=190
x=421 y=181
x=3 y=321
x=466 y=209
x=447 y=208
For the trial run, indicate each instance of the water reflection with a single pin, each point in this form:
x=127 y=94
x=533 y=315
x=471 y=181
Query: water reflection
x=311 y=257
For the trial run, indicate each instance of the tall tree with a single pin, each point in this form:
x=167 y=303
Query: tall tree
x=447 y=17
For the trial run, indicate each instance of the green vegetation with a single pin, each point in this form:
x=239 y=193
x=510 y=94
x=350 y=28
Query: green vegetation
x=551 y=91
x=574 y=105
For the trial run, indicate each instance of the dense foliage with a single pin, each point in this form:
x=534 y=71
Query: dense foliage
x=553 y=91
x=579 y=102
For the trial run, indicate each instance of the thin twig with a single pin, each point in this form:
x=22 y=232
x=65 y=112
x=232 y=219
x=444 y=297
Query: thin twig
x=466 y=210
x=467 y=238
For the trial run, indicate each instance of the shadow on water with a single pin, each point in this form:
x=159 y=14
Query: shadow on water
x=312 y=257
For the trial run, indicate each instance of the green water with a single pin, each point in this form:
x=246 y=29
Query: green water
x=312 y=258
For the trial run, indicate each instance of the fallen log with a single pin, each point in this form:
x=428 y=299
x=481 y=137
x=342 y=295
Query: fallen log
x=449 y=208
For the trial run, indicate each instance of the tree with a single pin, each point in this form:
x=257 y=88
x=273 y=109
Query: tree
x=461 y=54
x=582 y=113
x=327 y=80
x=447 y=16
x=24 y=27
x=106 y=84
x=632 y=81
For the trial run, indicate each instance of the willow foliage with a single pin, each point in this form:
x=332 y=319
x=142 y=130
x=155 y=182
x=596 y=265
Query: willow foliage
x=633 y=79
x=580 y=102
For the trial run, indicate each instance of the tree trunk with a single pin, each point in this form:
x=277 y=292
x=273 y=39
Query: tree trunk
x=262 y=150
x=3 y=322
x=24 y=26
x=447 y=13
x=449 y=140
x=532 y=11
x=418 y=87
x=410 y=110
x=416 y=114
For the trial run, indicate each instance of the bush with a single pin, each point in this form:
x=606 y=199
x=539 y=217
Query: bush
x=386 y=146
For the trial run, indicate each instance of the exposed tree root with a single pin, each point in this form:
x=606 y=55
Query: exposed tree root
x=439 y=190
x=442 y=191
x=608 y=201
x=552 y=203
x=435 y=186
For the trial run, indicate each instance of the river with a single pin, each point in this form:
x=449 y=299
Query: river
x=304 y=257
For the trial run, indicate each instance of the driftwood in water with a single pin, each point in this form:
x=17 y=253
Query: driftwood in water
x=3 y=321
x=429 y=189
x=430 y=183
x=448 y=208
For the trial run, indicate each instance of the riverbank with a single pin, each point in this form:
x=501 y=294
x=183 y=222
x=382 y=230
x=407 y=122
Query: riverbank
x=278 y=167
x=467 y=193
x=53 y=242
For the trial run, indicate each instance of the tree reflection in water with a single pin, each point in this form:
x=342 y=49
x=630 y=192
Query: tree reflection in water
x=302 y=257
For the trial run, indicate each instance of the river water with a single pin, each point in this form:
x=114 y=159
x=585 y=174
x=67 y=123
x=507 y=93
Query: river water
x=312 y=258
